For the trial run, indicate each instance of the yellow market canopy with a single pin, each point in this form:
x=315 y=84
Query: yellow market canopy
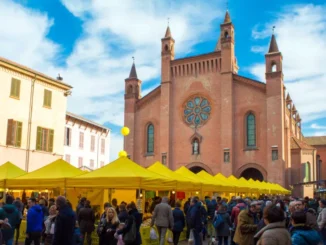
x=52 y=175
x=223 y=186
x=238 y=187
x=183 y=183
x=206 y=185
x=123 y=174
x=9 y=171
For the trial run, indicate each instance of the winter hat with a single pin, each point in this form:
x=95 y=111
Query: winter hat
x=323 y=201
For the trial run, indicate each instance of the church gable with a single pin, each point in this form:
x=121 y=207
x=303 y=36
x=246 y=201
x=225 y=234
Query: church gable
x=250 y=82
x=149 y=97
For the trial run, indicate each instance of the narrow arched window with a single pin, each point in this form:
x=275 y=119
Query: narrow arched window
x=251 y=130
x=150 y=138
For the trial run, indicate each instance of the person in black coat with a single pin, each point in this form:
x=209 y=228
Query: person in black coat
x=123 y=213
x=179 y=223
x=194 y=219
x=133 y=216
x=86 y=221
x=109 y=227
x=64 y=223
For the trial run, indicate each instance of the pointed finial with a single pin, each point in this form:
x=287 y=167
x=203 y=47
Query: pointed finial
x=227 y=5
x=273 y=48
x=168 y=21
x=227 y=18
x=59 y=77
x=133 y=59
x=133 y=73
x=273 y=29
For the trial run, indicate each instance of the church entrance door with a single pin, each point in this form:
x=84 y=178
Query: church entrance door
x=252 y=173
x=196 y=169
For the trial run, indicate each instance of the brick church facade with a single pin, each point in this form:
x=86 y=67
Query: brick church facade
x=207 y=117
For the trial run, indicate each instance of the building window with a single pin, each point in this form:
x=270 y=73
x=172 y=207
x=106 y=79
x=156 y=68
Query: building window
x=164 y=157
x=44 y=139
x=81 y=140
x=92 y=143
x=103 y=146
x=14 y=133
x=68 y=136
x=150 y=138
x=274 y=154
x=226 y=156
x=251 y=130
x=67 y=158
x=102 y=163
x=91 y=163
x=195 y=147
x=307 y=172
x=47 y=99
x=15 y=88
x=80 y=162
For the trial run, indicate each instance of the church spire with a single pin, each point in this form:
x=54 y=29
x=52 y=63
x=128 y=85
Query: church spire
x=133 y=73
x=227 y=18
x=168 y=32
x=273 y=48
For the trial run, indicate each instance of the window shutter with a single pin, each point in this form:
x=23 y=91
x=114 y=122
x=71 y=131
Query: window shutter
x=45 y=98
x=66 y=136
x=9 y=131
x=19 y=128
x=39 y=139
x=51 y=137
x=17 y=87
x=12 y=89
x=70 y=139
x=49 y=98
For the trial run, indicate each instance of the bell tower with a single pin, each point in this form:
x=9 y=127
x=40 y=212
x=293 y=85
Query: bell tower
x=167 y=55
x=275 y=114
x=132 y=95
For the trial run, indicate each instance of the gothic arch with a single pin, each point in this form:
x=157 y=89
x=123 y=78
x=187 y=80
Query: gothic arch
x=251 y=165
x=201 y=165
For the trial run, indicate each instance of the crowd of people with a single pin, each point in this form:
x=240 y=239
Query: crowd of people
x=266 y=221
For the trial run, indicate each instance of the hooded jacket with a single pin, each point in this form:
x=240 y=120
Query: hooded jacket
x=10 y=212
x=236 y=211
x=64 y=226
x=274 y=233
x=303 y=235
x=34 y=219
x=211 y=208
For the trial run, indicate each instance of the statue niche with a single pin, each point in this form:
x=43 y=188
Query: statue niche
x=195 y=147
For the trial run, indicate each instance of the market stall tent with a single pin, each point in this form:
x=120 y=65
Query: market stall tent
x=123 y=174
x=53 y=175
x=223 y=186
x=9 y=171
x=183 y=183
x=205 y=184
x=238 y=187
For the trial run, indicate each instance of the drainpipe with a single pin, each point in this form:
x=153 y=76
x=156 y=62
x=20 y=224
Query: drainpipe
x=29 y=125
x=98 y=147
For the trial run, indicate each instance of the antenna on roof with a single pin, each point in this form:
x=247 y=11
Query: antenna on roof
x=59 y=77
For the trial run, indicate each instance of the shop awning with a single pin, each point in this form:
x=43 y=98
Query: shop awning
x=183 y=183
x=9 y=171
x=123 y=174
x=52 y=175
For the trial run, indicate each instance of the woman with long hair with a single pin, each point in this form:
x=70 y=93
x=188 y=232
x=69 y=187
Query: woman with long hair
x=109 y=227
x=49 y=225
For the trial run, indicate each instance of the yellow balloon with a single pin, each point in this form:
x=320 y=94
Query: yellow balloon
x=122 y=154
x=125 y=131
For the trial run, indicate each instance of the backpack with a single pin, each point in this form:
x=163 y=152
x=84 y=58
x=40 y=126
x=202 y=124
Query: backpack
x=218 y=221
x=130 y=236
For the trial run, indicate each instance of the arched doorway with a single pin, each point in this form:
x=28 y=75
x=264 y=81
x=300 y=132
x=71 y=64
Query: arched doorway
x=196 y=169
x=252 y=173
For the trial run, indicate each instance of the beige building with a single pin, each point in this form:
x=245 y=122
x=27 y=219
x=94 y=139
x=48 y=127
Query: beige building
x=32 y=116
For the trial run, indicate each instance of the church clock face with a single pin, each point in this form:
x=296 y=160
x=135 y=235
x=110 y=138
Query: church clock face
x=196 y=111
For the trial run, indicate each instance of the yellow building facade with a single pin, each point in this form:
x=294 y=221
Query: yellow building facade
x=32 y=116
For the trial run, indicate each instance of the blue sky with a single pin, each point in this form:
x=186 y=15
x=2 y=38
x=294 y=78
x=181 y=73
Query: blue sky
x=91 y=44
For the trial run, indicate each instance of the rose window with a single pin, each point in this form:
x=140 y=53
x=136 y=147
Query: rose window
x=196 y=111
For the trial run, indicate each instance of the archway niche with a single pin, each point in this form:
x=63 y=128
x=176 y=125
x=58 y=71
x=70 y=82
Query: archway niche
x=252 y=173
x=196 y=169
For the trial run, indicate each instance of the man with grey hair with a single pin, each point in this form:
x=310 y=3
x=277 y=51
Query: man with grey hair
x=163 y=218
x=64 y=223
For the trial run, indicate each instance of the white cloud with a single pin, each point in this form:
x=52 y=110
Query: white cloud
x=316 y=126
x=301 y=37
x=320 y=133
x=258 y=49
x=113 y=32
